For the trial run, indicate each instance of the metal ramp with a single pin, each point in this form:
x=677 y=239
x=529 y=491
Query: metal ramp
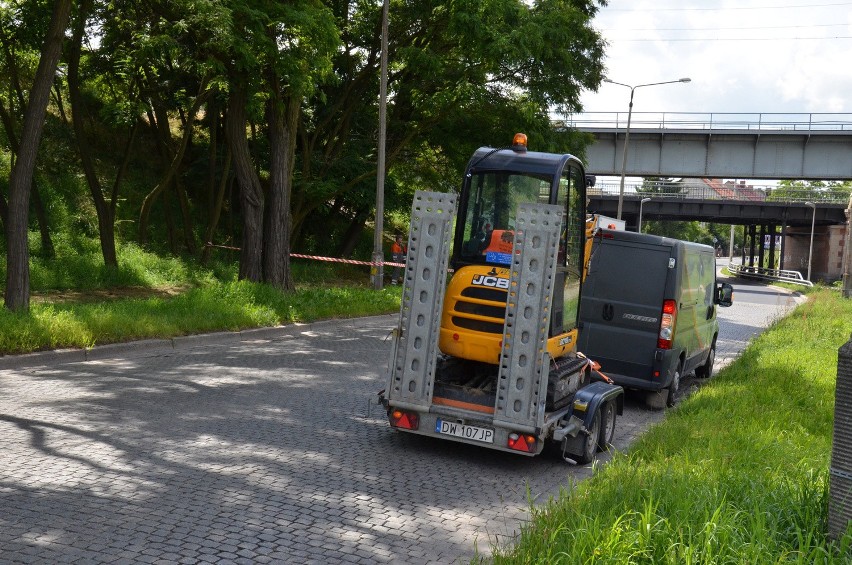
x=522 y=377
x=412 y=367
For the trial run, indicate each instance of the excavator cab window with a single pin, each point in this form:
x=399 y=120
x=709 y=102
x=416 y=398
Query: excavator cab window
x=493 y=199
x=571 y=246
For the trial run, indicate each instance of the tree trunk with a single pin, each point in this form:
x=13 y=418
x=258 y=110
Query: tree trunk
x=106 y=225
x=251 y=194
x=216 y=213
x=212 y=157
x=151 y=197
x=353 y=233
x=20 y=181
x=282 y=117
x=41 y=215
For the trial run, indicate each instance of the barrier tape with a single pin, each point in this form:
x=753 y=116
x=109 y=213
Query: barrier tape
x=320 y=258
x=347 y=261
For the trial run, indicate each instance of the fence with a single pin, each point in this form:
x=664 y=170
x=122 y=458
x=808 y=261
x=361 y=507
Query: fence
x=744 y=271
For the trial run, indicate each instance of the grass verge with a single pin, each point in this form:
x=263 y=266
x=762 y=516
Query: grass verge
x=155 y=297
x=738 y=473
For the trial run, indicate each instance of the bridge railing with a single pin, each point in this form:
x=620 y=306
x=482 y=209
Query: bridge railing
x=698 y=190
x=712 y=121
x=794 y=277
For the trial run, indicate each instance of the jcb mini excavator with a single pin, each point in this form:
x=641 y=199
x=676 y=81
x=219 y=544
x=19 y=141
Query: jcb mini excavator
x=489 y=359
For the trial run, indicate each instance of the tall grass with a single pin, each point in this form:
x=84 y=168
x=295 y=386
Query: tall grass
x=738 y=473
x=171 y=297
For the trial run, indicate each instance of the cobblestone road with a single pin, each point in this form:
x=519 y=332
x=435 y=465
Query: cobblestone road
x=257 y=447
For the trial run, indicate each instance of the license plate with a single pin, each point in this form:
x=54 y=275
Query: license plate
x=474 y=433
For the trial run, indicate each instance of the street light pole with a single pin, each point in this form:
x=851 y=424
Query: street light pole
x=641 y=203
x=627 y=132
x=813 y=222
x=377 y=270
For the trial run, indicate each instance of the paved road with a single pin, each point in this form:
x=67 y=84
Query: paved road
x=257 y=447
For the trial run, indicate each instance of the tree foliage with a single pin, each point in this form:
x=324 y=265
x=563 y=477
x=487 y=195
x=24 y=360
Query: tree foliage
x=815 y=191
x=253 y=123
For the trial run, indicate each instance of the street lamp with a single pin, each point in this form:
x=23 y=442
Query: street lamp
x=377 y=270
x=641 y=202
x=813 y=222
x=627 y=131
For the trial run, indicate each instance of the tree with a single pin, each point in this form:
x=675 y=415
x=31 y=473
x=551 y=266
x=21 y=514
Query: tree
x=462 y=75
x=20 y=179
x=800 y=190
x=105 y=212
x=20 y=39
x=659 y=186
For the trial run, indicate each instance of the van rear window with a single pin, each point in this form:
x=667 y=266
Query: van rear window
x=628 y=273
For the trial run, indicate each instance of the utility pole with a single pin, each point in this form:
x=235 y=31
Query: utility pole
x=377 y=270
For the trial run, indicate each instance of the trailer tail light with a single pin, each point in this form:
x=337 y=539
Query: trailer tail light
x=667 y=324
x=522 y=442
x=404 y=420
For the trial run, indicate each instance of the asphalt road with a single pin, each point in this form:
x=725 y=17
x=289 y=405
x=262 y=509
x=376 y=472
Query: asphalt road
x=259 y=447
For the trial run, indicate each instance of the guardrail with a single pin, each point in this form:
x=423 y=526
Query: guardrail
x=733 y=192
x=830 y=122
x=793 y=277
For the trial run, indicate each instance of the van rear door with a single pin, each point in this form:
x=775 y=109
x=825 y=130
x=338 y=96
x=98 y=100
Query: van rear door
x=622 y=303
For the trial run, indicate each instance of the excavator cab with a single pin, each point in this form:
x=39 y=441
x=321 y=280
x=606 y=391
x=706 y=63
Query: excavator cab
x=496 y=181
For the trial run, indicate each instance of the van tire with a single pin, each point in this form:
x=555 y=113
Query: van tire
x=608 y=416
x=674 y=387
x=705 y=370
x=590 y=442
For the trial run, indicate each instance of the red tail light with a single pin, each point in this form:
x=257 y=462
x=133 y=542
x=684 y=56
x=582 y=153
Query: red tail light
x=667 y=324
x=405 y=420
x=522 y=442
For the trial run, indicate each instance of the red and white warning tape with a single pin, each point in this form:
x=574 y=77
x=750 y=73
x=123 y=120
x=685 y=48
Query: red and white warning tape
x=320 y=258
x=348 y=261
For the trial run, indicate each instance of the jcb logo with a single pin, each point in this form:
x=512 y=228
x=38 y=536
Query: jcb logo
x=488 y=280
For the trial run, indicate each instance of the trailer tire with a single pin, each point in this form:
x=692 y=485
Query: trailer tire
x=590 y=442
x=607 y=432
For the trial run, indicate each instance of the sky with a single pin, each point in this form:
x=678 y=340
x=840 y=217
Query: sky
x=750 y=56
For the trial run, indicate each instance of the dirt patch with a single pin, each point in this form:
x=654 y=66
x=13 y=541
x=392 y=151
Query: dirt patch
x=105 y=294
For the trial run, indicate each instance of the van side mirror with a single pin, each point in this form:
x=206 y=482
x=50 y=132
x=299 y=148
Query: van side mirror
x=724 y=294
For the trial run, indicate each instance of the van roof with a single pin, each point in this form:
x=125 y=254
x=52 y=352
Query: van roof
x=650 y=239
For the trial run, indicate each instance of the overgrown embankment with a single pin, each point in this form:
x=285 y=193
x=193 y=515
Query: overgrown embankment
x=738 y=473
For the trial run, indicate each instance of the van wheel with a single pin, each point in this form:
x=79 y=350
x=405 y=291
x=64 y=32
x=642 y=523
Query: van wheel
x=608 y=414
x=706 y=370
x=590 y=443
x=674 y=386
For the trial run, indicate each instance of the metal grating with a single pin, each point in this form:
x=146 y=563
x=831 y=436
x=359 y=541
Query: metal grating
x=840 y=480
x=412 y=371
x=522 y=391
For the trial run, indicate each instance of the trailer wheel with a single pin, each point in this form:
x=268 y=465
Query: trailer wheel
x=590 y=442
x=608 y=414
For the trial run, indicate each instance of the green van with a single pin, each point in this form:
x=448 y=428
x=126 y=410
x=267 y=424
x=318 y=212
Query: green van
x=648 y=311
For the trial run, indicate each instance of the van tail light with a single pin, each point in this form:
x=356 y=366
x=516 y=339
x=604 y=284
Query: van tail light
x=667 y=324
x=522 y=442
x=405 y=420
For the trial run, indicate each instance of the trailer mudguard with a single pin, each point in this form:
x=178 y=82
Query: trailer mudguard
x=589 y=399
x=587 y=403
